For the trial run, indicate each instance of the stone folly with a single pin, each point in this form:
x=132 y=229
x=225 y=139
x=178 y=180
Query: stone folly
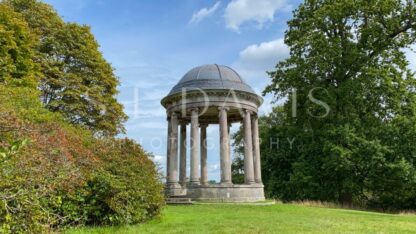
x=207 y=95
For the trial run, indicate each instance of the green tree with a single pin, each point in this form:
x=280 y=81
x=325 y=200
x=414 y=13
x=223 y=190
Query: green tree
x=16 y=52
x=75 y=79
x=237 y=166
x=353 y=118
x=85 y=92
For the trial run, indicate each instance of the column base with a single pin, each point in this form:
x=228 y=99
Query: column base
x=174 y=189
x=195 y=183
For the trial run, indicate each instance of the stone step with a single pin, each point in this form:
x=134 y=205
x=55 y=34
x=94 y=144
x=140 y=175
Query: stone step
x=179 y=200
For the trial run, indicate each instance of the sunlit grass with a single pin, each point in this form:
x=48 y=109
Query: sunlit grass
x=279 y=218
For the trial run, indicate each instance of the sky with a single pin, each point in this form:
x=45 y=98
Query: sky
x=152 y=44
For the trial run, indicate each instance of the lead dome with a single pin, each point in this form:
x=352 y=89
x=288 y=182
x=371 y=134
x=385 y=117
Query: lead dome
x=211 y=77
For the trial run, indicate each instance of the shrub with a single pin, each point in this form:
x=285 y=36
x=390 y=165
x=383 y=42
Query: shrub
x=127 y=188
x=64 y=175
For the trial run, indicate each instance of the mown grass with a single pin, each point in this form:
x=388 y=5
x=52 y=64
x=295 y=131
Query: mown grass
x=279 y=218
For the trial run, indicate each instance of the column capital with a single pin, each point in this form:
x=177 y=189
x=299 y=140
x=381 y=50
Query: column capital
x=226 y=108
x=203 y=125
x=248 y=111
x=183 y=122
x=172 y=114
x=195 y=109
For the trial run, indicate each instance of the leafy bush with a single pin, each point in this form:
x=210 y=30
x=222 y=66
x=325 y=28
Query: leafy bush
x=64 y=175
x=19 y=209
x=126 y=189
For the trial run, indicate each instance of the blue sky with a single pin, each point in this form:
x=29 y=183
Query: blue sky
x=152 y=44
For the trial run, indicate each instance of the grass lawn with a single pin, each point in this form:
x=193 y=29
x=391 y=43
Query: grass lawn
x=279 y=218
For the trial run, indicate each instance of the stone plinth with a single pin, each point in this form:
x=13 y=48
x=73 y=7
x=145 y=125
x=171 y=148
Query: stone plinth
x=173 y=190
x=226 y=193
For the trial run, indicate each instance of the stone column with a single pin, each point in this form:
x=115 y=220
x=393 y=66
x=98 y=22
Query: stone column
x=248 y=149
x=204 y=154
x=173 y=155
x=224 y=147
x=168 y=149
x=182 y=160
x=256 y=149
x=194 y=147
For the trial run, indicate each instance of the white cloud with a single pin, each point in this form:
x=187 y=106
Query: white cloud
x=159 y=159
x=203 y=13
x=255 y=60
x=239 y=12
x=264 y=55
x=213 y=168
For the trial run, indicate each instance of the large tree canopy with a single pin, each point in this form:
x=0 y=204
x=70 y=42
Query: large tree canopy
x=350 y=108
x=16 y=49
x=75 y=79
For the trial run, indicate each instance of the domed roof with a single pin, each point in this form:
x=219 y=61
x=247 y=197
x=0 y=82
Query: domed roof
x=211 y=77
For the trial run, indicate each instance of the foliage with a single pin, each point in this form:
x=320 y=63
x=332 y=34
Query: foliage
x=16 y=49
x=75 y=78
x=237 y=166
x=350 y=110
x=237 y=169
x=127 y=189
x=56 y=167
x=53 y=162
x=7 y=152
x=59 y=175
